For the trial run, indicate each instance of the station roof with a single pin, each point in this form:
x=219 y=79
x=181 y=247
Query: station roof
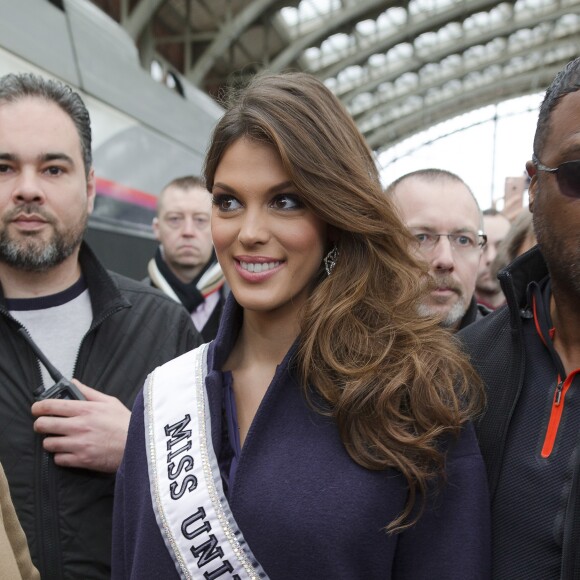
x=398 y=67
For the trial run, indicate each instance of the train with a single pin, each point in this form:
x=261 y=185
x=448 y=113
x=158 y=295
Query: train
x=144 y=132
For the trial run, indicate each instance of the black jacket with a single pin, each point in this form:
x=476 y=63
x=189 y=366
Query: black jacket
x=66 y=513
x=497 y=350
x=474 y=313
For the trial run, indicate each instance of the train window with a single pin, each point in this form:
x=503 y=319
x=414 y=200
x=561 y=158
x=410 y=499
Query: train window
x=156 y=71
x=173 y=82
x=58 y=3
x=161 y=75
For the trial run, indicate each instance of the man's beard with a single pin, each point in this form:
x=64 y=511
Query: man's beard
x=29 y=253
x=448 y=320
x=453 y=316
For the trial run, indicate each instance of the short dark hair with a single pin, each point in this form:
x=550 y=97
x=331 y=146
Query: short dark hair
x=429 y=174
x=15 y=87
x=184 y=183
x=566 y=81
x=433 y=174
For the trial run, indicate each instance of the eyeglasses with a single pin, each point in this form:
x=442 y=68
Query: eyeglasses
x=462 y=241
x=567 y=176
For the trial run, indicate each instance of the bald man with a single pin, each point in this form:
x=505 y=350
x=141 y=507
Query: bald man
x=441 y=212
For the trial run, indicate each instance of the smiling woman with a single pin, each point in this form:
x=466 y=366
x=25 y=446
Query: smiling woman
x=325 y=432
x=270 y=245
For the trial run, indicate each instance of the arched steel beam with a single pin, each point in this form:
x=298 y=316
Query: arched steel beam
x=466 y=101
x=390 y=111
x=339 y=18
x=456 y=46
x=413 y=28
x=228 y=34
x=140 y=17
x=568 y=45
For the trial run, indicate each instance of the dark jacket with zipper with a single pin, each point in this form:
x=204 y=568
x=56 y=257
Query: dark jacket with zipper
x=65 y=512
x=520 y=370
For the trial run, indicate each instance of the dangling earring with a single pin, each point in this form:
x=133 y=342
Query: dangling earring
x=330 y=260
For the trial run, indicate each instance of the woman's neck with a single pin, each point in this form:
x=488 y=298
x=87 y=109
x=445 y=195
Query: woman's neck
x=264 y=338
x=262 y=344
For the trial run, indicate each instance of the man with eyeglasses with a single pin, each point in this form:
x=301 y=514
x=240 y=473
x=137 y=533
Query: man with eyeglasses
x=185 y=267
x=444 y=217
x=528 y=356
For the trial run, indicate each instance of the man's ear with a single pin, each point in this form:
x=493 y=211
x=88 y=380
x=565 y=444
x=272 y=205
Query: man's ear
x=532 y=188
x=91 y=190
x=155 y=224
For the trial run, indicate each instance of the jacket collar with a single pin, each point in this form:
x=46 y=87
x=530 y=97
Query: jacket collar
x=219 y=349
x=229 y=327
x=474 y=313
x=515 y=279
x=105 y=294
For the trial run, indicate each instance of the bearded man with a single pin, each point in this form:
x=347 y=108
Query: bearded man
x=60 y=455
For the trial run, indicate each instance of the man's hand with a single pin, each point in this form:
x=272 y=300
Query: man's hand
x=90 y=434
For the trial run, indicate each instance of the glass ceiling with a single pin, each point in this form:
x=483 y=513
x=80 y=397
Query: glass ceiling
x=398 y=67
x=412 y=74
x=484 y=147
x=408 y=67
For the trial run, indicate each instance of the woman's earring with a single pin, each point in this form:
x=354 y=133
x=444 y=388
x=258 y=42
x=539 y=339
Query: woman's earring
x=330 y=260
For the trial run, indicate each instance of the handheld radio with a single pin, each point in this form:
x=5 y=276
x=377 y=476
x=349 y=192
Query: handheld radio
x=63 y=388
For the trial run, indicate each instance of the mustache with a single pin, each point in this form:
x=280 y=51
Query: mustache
x=440 y=281
x=28 y=209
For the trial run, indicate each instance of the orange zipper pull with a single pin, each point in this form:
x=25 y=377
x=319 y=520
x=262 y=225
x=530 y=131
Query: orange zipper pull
x=555 y=415
x=558 y=396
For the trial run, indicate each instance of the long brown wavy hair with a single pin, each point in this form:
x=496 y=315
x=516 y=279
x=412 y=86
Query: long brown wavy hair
x=396 y=383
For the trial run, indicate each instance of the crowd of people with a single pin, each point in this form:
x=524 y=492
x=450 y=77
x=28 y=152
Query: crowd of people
x=320 y=378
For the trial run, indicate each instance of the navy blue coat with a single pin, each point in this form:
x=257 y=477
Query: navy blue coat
x=306 y=509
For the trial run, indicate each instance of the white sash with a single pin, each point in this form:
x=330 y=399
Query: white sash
x=186 y=488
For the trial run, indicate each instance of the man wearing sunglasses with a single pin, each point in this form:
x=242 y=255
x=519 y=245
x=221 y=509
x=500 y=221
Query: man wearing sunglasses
x=443 y=215
x=528 y=355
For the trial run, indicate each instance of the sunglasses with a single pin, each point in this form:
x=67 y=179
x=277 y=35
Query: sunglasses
x=567 y=175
